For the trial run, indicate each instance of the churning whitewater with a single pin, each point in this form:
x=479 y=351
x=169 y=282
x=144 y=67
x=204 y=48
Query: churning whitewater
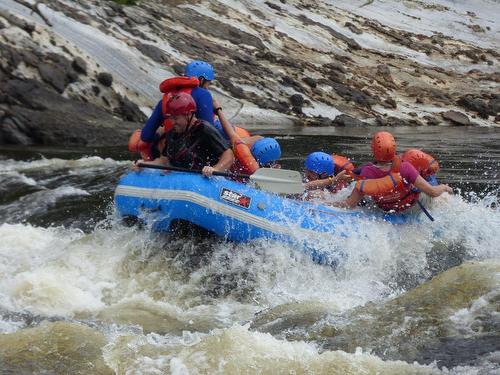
x=81 y=290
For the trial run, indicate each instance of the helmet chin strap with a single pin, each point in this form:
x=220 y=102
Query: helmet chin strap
x=189 y=120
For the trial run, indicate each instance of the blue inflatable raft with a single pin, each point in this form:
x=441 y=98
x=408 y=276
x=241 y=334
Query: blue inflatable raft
x=233 y=210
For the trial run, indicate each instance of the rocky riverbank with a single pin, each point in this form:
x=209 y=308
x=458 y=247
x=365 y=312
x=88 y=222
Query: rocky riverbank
x=288 y=62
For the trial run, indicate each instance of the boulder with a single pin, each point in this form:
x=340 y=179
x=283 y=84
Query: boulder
x=475 y=104
x=457 y=118
x=54 y=76
x=130 y=111
x=297 y=100
x=105 y=79
x=79 y=65
x=346 y=120
x=494 y=106
x=310 y=82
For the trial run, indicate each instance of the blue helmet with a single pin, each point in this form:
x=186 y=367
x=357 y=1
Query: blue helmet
x=199 y=69
x=266 y=150
x=320 y=162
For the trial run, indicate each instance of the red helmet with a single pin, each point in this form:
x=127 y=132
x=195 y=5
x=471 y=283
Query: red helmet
x=383 y=147
x=180 y=104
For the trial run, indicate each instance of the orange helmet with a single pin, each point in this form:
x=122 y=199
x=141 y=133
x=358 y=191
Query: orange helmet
x=383 y=146
x=424 y=163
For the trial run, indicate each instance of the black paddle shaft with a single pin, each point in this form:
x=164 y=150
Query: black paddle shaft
x=198 y=171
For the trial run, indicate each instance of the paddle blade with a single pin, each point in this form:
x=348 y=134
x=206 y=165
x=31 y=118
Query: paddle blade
x=280 y=181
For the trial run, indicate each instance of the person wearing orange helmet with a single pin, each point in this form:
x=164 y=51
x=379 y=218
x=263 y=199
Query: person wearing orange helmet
x=390 y=181
x=193 y=143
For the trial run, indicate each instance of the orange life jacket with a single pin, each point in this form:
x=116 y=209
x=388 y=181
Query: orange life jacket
x=173 y=85
x=341 y=163
x=244 y=163
x=242 y=132
x=390 y=192
x=136 y=144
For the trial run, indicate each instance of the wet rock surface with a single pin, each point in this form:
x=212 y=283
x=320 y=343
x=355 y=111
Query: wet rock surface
x=261 y=65
x=48 y=96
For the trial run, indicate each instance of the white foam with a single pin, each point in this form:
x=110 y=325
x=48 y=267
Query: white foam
x=9 y=165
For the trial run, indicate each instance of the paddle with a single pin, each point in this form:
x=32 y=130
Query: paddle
x=280 y=181
x=424 y=210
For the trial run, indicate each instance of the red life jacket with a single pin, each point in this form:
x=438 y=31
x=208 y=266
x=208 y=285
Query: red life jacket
x=174 y=85
x=390 y=192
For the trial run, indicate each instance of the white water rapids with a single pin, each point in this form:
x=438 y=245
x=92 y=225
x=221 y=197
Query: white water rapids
x=144 y=303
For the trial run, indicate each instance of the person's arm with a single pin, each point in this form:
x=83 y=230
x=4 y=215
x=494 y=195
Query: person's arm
x=226 y=125
x=433 y=191
x=319 y=184
x=326 y=182
x=154 y=122
x=162 y=160
x=224 y=163
x=351 y=201
x=204 y=104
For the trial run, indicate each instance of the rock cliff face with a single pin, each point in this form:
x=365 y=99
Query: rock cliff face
x=76 y=72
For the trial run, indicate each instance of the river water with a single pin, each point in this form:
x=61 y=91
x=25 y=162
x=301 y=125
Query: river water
x=82 y=293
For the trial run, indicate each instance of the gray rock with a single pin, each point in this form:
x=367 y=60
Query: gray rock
x=210 y=26
x=456 y=117
x=475 y=104
x=53 y=76
x=346 y=120
x=319 y=121
x=130 y=111
x=384 y=71
x=39 y=115
x=297 y=100
x=431 y=120
x=335 y=66
x=352 y=94
x=494 y=106
x=310 y=82
x=79 y=65
x=105 y=79
x=391 y=103
x=30 y=58
x=12 y=135
x=234 y=90
x=351 y=43
x=178 y=69
x=353 y=28
x=395 y=121
x=153 y=52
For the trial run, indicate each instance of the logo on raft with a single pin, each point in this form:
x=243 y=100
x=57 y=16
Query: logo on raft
x=235 y=198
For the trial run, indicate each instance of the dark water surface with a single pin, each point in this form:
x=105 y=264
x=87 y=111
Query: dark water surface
x=469 y=160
